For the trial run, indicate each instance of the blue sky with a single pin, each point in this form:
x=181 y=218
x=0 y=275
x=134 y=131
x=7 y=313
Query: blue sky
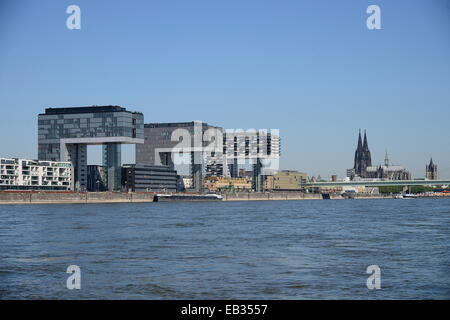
x=308 y=68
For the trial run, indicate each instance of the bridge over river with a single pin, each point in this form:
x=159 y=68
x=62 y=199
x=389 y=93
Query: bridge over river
x=378 y=183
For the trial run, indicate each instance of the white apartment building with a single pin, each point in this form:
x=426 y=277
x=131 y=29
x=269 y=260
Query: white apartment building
x=22 y=174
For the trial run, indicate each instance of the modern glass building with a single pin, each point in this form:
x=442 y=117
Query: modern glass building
x=148 y=178
x=164 y=140
x=220 y=151
x=64 y=133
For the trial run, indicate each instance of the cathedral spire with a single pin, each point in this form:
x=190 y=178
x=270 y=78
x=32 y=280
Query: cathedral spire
x=365 y=145
x=359 y=141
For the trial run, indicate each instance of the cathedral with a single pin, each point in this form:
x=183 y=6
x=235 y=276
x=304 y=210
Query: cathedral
x=363 y=165
x=363 y=159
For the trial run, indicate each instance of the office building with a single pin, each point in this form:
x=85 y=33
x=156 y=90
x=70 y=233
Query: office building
x=221 y=184
x=180 y=184
x=250 y=145
x=96 y=177
x=215 y=166
x=164 y=141
x=149 y=178
x=286 y=180
x=258 y=148
x=65 y=133
x=209 y=150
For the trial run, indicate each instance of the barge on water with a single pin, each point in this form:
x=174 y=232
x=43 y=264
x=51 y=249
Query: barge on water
x=186 y=197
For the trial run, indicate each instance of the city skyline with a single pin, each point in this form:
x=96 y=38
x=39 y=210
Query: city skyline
x=312 y=70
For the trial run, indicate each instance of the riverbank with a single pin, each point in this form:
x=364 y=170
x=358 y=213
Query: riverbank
x=61 y=197
x=57 y=197
x=294 y=196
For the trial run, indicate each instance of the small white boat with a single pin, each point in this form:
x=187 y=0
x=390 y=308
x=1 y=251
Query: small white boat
x=405 y=196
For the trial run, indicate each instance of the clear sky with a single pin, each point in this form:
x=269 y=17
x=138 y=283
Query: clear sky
x=311 y=69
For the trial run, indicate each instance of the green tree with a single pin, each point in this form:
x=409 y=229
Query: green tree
x=390 y=189
x=421 y=189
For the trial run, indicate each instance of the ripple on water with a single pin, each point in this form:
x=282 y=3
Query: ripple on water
x=279 y=249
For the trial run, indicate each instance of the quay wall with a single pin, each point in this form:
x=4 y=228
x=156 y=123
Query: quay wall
x=40 y=197
x=15 y=197
x=244 y=196
x=30 y=197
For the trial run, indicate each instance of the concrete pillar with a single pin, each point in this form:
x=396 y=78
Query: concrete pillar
x=235 y=172
x=257 y=177
x=77 y=154
x=112 y=162
x=196 y=171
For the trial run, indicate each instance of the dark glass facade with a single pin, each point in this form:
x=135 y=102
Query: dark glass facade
x=147 y=178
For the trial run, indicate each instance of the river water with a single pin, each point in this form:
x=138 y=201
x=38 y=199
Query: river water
x=310 y=249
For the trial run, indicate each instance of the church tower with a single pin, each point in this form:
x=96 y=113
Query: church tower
x=431 y=171
x=358 y=156
x=367 y=157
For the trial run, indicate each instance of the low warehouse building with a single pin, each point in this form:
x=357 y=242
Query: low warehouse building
x=148 y=178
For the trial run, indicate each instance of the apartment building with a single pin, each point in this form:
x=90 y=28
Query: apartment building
x=23 y=174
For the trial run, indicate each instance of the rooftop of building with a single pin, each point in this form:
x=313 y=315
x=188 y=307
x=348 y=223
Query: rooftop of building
x=91 y=109
x=147 y=166
x=34 y=162
x=385 y=168
x=226 y=179
x=176 y=124
x=233 y=133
